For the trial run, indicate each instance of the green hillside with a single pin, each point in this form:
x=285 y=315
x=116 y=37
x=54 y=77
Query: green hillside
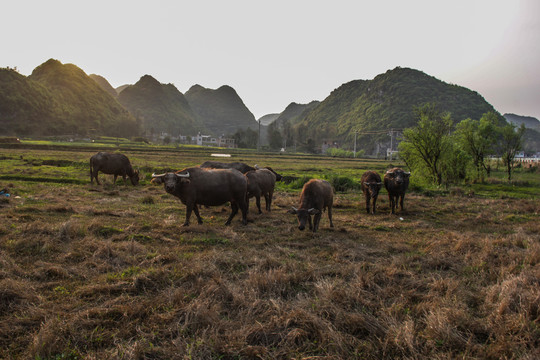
x=160 y=107
x=383 y=103
x=221 y=110
x=26 y=105
x=60 y=99
x=105 y=85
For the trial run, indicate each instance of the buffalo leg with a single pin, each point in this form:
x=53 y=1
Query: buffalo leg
x=125 y=180
x=114 y=181
x=401 y=201
x=234 y=210
x=96 y=176
x=316 y=221
x=367 y=203
x=269 y=203
x=196 y=211
x=391 y=200
x=258 y=202
x=189 y=209
x=374 y=205
x=244 y=210
x=310 y=222
x=330 y=216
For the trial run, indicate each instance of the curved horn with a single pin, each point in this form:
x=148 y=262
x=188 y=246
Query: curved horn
x=257 y=167
x=186 y=175
x=160 y=175
x=408 y=173
x=389 y=171
x=379 y=183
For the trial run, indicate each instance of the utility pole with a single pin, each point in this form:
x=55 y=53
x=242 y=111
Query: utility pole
x=259 y=142
x=354 y=152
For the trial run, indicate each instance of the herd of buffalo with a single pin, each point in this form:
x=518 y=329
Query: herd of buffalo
x=215 y=183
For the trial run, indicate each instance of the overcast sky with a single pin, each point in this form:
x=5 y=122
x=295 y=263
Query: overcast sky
x=276 y=52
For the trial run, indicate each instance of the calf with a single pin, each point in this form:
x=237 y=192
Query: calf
x=316 y=196
x=396 y=182
x=371 y=185
x=261 y=182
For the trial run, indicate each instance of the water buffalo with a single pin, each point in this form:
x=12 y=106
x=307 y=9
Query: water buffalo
x=278 y=176
x=211 y=187
x=112 y=164
x=243 y=168
x=261 y=182
x=371 y=184
x=396 y=182
x=316 y=196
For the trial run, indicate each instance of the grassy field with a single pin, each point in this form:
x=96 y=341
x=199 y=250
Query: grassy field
x=107 y=272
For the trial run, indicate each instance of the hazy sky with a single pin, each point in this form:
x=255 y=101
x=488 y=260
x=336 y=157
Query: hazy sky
x=276 y=52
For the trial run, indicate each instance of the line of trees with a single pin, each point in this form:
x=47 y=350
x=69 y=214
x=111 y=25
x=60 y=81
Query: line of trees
x=444 y=153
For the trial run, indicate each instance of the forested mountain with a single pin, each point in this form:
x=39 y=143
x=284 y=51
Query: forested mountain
x=160 y=107
x=105 y=85
x=383 y=103
x=294 y=113
x=531 y=137
x=529 y=121
x=221 y=110
x=267 y=119
x=26 y=105
x=60 y=99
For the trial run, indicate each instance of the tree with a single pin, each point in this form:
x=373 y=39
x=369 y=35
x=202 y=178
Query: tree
x=477 y=137
x=275 y=139
x=511 y=141
x=425 y=145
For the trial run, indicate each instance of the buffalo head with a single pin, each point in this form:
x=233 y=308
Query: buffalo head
x=304 y=215
x=373 y=187
x=397 y=175
x=171 y=180
x=135 y=178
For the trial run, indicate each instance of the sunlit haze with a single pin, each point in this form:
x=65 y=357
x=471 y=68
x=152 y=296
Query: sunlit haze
x=277 y=52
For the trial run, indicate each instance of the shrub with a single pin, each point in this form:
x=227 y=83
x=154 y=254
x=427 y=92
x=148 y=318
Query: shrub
x=343 y=183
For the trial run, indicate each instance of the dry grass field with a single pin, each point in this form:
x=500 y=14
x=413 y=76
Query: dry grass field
x=107 y=272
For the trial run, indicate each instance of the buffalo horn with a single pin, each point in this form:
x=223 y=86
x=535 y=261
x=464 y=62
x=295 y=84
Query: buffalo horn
x=408 y=173
x=389 y=172
x=186 y=175
x=157 y=176
x=257 y=167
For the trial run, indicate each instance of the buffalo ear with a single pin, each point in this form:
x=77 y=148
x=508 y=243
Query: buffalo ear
x=293 y=210
x=314 y=211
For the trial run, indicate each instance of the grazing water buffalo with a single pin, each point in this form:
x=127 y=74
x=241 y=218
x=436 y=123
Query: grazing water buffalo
x=243 y=168
x=211 y=187
x=371 y=185
x=261 y=182
x=396 y=182
x=316 y=196
x=112 y=164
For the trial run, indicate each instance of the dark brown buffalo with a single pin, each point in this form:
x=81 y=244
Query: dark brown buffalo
x=396 y=182
x=211 y=187
x=316 y=196
x=243 y=168
x=261 y=182
x=371 y=185
x=112 y=164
